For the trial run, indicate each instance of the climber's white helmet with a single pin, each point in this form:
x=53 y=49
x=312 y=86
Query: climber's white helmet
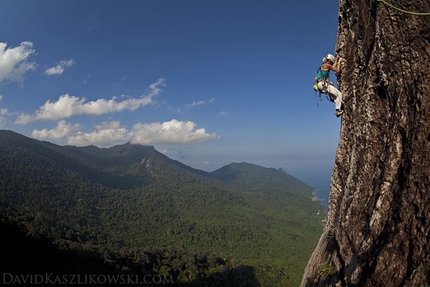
x=330 y=57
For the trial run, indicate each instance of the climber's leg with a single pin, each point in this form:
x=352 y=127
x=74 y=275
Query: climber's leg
x=336 y=96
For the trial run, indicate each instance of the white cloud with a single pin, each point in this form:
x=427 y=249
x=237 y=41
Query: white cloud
x=13 y=61
x=223 y=113
x=194 y=104
x=172 y=132
x=59 y=68
x=156 y=87
x=24 y=119
x=67 y=63
x=68 y=106
x=62 y=130
x=3 y=112
x=110 y=133
x=105 y=134
x=102 y=135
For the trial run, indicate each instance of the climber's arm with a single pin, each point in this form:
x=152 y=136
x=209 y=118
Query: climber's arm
x=336 y=66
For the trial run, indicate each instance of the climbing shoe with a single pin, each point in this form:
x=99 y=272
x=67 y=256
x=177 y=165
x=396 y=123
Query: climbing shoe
x=339 y=113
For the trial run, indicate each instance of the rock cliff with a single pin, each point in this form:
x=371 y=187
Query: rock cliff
x=377 y=230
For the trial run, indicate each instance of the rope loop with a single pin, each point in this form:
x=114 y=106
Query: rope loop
x=404 y=11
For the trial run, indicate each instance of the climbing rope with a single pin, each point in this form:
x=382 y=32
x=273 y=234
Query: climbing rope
x=373 y=15
x=404 y=11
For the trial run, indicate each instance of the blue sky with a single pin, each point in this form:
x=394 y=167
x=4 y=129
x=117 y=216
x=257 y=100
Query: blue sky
x=206 y=82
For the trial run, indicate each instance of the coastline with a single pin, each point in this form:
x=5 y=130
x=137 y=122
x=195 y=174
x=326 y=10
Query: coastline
x=323 y=201
x=314 y=197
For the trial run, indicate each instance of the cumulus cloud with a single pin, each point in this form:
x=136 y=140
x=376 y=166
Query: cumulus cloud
x=105 y=134
x=59 y=68
x=68 y=106
x=62 y=130
x=14 y=61
x=172 y=132
x=110 y=133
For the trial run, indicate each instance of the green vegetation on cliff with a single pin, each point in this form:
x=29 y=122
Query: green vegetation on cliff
x=132 y=197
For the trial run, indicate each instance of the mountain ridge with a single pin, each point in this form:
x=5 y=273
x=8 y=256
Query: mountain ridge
x=132 y=196
x=123 y=156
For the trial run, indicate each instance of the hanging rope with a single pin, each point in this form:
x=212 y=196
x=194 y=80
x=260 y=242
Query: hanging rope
x=404 y=11
x=373 y=15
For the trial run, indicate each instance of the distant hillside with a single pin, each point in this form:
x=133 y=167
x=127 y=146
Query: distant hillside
x=132 y=196
x=251 y=177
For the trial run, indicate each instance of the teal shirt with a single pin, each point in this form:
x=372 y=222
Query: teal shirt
x=322 y=74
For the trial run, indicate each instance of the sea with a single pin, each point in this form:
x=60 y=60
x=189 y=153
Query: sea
x=321 y=185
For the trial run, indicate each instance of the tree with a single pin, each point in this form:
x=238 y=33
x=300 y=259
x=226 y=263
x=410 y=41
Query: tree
x=378 y=224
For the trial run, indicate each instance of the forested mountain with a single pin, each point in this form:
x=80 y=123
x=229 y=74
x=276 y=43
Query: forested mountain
x=131 y=196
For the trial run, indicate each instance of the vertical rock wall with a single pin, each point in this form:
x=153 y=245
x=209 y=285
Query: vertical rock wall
x=378 y=226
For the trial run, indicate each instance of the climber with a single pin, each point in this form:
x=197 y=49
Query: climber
x=324 y=85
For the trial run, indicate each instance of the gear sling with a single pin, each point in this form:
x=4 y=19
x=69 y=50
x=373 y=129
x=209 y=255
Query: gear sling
x=324 y=77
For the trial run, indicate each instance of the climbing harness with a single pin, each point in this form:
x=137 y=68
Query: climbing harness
x=326 y=83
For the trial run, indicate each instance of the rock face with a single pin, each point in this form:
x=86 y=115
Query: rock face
x=377 y=231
